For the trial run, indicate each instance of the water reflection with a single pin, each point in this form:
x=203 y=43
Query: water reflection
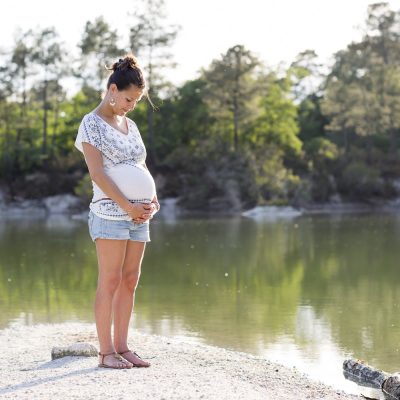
x=309 y=291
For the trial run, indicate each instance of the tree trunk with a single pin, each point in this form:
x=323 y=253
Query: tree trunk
x=150 y=115
x=44 y=142
x=150 y=126
x=392 y=143
x=236 y=103
x=55 y=127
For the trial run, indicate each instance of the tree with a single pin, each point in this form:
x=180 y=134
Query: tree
x=232 y=89
x=150 y=40
x=98 y=46
x=21 y=58
x=305 y=73
x=49 y=55
x=383 y=43
x=362 y=95
x=277 y=123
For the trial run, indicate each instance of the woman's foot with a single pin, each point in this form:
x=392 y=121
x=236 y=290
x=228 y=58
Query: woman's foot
x=113 y=360
x=133 y=358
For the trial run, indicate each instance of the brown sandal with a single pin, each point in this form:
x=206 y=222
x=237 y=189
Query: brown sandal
x=118 y=357
x=145 y=363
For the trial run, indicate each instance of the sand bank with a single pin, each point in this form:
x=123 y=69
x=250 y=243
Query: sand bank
x=180 y=370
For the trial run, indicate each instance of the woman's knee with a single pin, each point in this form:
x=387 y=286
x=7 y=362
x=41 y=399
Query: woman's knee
x=130 y=279
x=110 y=282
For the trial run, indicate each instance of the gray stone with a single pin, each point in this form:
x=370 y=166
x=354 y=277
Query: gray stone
x=272 y=212
x=80 y=349
x=391 y=386
x=23 y=209
x=61 y=204
x=360 y=372
x=169 y=210
x=83 y=216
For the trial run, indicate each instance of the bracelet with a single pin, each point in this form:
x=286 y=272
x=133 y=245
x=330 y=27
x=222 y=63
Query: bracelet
x=157 y=204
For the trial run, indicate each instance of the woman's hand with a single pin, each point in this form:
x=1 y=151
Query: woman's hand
x=139 y=212
x=155 y=207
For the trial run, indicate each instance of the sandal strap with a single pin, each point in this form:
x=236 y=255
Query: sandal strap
x=107 y=354
x=124 y=352
x=114 y=353
x=130 y=351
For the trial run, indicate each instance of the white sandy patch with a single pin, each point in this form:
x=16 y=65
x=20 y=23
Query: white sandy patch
x=180 y=370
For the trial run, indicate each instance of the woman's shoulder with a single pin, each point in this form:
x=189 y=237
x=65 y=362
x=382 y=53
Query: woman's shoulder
x=89 y=124
x=89 y=116
x=91 y=119
x=131 y=121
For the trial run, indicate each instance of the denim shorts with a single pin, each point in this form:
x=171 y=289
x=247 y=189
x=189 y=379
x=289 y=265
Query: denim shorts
x=101 y=228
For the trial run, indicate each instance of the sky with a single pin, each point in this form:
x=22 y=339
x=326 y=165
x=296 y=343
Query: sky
x=274 y=30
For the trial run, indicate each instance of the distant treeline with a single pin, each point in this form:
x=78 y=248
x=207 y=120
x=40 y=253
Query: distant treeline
x=238 y=135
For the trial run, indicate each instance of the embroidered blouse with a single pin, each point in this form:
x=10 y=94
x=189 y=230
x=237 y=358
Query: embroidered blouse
x=124 y=156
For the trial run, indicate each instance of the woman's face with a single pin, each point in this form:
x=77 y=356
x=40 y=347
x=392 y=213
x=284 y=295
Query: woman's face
x=125 y=100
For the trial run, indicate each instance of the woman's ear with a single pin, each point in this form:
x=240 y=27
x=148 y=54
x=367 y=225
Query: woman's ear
x=113 y=88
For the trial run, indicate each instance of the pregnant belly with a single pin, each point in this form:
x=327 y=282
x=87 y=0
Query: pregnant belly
x=134 y=181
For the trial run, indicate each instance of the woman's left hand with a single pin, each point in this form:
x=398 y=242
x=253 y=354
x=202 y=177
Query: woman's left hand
x=151 y=209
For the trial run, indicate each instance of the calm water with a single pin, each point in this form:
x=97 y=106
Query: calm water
x=307 y=292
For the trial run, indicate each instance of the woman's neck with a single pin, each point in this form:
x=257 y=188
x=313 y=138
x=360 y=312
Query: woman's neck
x=105 y=110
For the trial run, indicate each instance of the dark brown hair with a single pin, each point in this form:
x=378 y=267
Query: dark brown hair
x=126 y=72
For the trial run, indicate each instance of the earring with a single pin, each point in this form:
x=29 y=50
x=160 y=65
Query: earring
x=112 y=102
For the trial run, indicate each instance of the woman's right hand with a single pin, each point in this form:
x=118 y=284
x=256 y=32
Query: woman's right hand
x=139 y=212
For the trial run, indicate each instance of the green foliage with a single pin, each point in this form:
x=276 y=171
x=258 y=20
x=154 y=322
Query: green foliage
x=231 y=92
x=362 y=93
x=322 y=152
x=310 y=118
x=277 y=123
x=322 y=155
x=360 y=181
x=212 y=177
x=150 y=39
x=277 y=184
x=97 y=46
x=84 y=189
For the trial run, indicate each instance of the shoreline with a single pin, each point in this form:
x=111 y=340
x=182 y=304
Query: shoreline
x=179 y=370
x=69 y=206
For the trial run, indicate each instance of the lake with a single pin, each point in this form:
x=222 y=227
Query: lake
x=306 y=292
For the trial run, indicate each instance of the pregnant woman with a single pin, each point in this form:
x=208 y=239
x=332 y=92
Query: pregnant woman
x=124 y=200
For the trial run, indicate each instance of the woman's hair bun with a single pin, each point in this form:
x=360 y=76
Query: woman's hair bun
x=123 y=64
x=126 y=71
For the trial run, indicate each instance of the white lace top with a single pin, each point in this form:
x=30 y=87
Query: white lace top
x=123 y=159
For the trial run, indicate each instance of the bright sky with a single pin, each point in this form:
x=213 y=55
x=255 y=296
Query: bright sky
x=275 y=30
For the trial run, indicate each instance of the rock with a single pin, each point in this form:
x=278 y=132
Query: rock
x=169 y=209
x=23 y=209
x=83 y=216
x=61 y=204
x=335 y=199
x=391 y=386
x=271 y=212
x=396 y=185
x=80 y=349
x=360 y=372
x=2 y=198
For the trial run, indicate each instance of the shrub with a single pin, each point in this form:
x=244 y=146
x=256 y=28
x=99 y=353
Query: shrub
x=84 y=189
x=212 y=177
x=360 y=181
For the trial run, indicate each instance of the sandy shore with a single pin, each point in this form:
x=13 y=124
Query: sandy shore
x=180 y=370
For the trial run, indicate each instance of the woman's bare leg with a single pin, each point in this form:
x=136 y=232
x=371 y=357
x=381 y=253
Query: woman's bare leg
x=110 y=256
x=125 y=295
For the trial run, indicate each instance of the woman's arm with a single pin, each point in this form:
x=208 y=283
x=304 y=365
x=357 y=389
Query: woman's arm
x=94 y=161
x=155 y=204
